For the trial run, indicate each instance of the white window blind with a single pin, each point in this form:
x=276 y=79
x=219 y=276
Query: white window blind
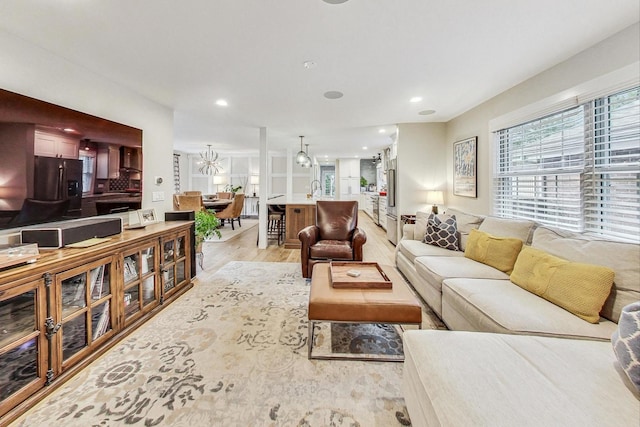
x=539 y=166
x=578 y=169
x=612 y=170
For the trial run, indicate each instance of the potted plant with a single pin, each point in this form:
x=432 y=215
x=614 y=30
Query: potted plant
x=363 y=183
x=207 y=224
x=231 y=188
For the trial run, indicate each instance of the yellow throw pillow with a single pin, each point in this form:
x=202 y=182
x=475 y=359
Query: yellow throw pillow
x=578 y=288
x=498 y=252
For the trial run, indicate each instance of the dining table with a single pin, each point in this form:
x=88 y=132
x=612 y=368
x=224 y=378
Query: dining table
x=217 y=204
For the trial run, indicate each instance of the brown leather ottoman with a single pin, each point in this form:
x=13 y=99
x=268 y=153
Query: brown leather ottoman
x=327 y=304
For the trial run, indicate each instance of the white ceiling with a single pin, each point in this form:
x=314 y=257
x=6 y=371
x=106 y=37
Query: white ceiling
x=187 y=54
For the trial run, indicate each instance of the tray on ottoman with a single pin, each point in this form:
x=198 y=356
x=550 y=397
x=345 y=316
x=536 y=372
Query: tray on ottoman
x=370 y=275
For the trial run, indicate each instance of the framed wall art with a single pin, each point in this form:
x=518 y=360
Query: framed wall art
x=464 y=167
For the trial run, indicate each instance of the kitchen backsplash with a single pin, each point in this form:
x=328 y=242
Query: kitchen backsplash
x=117 y=185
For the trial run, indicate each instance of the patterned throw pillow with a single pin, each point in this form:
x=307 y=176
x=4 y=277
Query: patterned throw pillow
x=442 y=233
x=626 y=342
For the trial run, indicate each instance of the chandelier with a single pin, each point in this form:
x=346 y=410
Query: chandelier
x=209 y=164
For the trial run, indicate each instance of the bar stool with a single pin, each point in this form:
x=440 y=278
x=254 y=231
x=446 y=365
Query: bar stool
x=276 y=225
x=276 y=228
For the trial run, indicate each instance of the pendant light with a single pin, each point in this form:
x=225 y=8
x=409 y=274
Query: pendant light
x=307 y=163
x=301 y=157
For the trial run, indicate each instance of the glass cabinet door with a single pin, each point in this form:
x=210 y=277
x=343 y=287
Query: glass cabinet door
x=22 y=342
x=85 y=310
x=168 y=257
x=174 y=263
x=140 y=277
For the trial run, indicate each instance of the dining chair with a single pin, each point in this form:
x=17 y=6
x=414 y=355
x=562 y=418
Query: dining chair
x=233 y=211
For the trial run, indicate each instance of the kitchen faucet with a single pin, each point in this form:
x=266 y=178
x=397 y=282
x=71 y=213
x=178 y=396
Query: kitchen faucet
x=316 y=185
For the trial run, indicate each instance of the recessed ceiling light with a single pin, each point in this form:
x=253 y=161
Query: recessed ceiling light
x=221 y=103
x=309 y=65
x=326 y=156
x=426 y=112
x=416 y=99
x=382 y=131
x=333 y=94
x=364 y=148
x=335 y=1
x=356 y=156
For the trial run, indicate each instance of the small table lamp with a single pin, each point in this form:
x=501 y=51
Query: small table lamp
x=435 y=198
x=217 y=180
x=254 y=180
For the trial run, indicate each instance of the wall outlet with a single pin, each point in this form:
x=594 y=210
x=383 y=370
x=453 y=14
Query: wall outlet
x=157 y=196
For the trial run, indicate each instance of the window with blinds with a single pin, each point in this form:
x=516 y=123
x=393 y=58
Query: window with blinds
x=577 y=169
x=611 y=180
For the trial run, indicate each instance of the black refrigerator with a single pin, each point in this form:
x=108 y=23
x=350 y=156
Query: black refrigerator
x=59 y=179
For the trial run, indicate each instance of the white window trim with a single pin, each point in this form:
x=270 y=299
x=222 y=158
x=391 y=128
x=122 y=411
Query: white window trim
x=615 y=81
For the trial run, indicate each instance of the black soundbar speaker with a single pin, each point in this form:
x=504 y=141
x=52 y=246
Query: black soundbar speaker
x=186 y=216
x=55 y=235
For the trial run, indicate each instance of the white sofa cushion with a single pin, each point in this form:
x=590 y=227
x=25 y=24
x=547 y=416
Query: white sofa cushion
x=441 y=268
x=623 y=258
x=455 y=378
x=414 y=248
x=500 y=306
x=420 y=226
x=506 y=227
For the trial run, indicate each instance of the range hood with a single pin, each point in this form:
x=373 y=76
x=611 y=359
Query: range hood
x=130 y=159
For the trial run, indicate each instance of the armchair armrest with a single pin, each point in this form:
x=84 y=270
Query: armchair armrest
x=357 y=242
x=308 y=236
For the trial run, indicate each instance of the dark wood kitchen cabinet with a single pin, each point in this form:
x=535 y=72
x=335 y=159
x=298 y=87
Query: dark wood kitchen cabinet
x=63 y=311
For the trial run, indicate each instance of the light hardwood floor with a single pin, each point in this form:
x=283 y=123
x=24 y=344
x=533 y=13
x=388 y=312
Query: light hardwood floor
x=243 y=248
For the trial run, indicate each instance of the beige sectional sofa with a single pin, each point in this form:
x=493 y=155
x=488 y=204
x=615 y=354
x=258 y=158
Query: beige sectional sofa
x=560 y=371
x=471 y=296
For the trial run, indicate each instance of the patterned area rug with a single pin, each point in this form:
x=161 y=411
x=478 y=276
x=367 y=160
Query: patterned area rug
x=366 y=339
x=230 y=352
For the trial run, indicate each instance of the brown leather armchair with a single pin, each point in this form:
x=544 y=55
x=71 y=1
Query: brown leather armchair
x=335 y=236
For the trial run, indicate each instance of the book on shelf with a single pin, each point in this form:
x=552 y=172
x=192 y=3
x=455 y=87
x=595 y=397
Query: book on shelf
x=97 y=280
x=103 y=322
x=130 y=270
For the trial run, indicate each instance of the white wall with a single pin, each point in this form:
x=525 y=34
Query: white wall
x=618 y=51
x=420 y=164
x=32 y=71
